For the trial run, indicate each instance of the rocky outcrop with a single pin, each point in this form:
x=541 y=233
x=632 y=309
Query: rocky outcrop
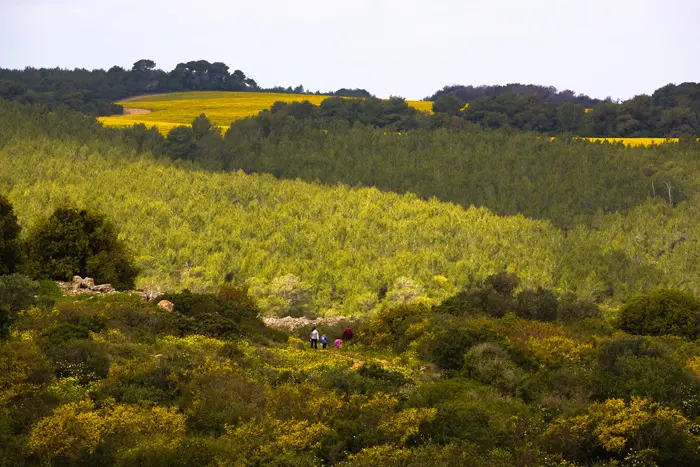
x=291 y=324
x=166 y=305
x=81 y=285
x=104 y=288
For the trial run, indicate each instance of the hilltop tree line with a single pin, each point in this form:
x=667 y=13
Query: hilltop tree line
x=95 y=91
x=543 y=94
x=671 y=111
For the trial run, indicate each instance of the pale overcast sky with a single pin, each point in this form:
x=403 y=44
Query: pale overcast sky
x=409 y=48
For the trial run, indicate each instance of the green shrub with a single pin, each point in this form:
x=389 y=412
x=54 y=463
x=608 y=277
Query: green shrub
x=17 y=292
x=5 y=322
x=454 y=339
x=382 y=379
x=77 y=242
x=69 y=345
x=467 y=411
x=571 y=308
x=214 y=400
x=538 y=304
x=632 y=366
x=492 y=297
x=610 y=351
x=388 y=326
x=48 y=294
x=83 y=359
x=10 y=251
x=194 y=451
x=661 y=312
x=228 y=315
x=490 y=364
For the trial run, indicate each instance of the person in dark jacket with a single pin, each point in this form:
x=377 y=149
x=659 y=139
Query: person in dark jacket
x=347 y=334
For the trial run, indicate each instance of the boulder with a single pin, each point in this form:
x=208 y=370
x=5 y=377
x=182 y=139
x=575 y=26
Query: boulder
x=166 y=305
x=77 y=282
x=103 y=288
x=89 y=283
x=151 y=294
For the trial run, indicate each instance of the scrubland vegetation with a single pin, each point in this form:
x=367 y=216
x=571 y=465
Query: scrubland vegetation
x=492 y=377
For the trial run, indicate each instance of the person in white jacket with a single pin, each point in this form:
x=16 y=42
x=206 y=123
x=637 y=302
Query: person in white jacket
x=314 y=339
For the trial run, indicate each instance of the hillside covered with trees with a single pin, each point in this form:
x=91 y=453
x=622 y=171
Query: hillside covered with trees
x=514 y=300
x=346 y=244
x=355 y=142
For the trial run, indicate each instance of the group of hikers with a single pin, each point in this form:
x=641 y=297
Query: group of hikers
x=347 y=335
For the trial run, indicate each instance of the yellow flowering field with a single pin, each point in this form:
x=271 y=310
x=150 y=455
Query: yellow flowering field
x=636 y=141
x=221 y=107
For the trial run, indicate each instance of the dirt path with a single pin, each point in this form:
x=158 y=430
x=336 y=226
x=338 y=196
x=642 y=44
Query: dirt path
x=356 y=362
x=142 y=96
x=134 y=111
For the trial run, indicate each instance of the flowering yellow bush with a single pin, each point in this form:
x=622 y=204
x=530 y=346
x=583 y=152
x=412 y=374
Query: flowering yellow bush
x=77 y=428
x=379 y=456
x=302 y=360
x=401 y=426
x=72 y=430
x=192 y=344
x=113 y=336
x=694 y=365
x=556 y=350
x=303 y=401
x=17 y=361
x=68 y=389
x=259 y=442
x=617 y=426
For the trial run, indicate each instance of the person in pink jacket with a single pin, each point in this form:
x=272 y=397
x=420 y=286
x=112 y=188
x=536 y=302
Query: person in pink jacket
x=338 y=343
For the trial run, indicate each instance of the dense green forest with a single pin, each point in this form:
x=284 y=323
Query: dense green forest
x=567 y=181
x=190 y=227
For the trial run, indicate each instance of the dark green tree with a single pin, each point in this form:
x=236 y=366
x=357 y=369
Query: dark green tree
x=181 y=143
x=448 y=104
x=144 y=65
x=10 y=251
x=78 y=242
x=661 y=312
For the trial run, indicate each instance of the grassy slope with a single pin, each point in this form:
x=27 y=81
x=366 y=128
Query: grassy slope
x=222 y=107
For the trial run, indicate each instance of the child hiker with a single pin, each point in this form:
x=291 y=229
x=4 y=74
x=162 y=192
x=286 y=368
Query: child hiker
x=324 y=341
x=338 y=343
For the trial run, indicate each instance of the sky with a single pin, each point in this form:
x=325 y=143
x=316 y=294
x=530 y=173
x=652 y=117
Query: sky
x=408 y=48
